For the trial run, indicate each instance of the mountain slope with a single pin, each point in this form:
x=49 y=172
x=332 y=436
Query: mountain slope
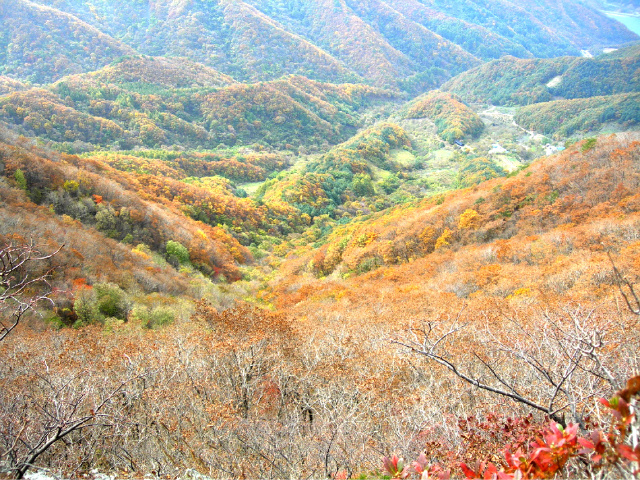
x=130 y=104
x=40 y=43
x=454 y=120
x=161 y=72
x=475 y=39
x=414 y=45
x=563 y=118
x=475 y=240
x=265 y=50
x=91 y=197
x=513 y=81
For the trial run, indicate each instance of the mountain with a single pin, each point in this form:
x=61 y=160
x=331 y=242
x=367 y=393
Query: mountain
x=454 y=120
x=133 y=209
x=340 y=182
x=282 y=238
x=513 y=81
x=562 y=96
x=534 y=221
x=413 y=45
x=564 y=118
x=159 y=73
x=8 y=85
x=32 y=32
x=153 y=102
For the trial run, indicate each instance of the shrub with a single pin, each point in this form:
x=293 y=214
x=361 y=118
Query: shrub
x=20 y=179
x=177 y=253
x=85 y=307
x=102 y=301
x=157 y=317
x=444 y=239
x=111 y=301
x=555 y=451
x=469 y=219
x=362 y=185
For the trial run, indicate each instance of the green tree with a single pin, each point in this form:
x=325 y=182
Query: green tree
x=177 y=252
x=20 y=179
x=390 y=184
x=362 y=185
x=111 y=301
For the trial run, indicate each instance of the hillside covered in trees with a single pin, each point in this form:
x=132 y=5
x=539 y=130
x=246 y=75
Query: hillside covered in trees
x=121 y=106
x=513 y=81
x=530 y=248
x=294 y=239
x=562 y=95
x=412 y=44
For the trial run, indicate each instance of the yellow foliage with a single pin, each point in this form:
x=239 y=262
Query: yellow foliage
x=70 y=220
x=282 y=249
x=366 y=238
x=201 y=234
x=444 y=239
x=141 y=253
x=469 y=220
x=520 y=292
x=427 y=235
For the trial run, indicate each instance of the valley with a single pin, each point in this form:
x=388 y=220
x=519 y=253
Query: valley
x=288 y=239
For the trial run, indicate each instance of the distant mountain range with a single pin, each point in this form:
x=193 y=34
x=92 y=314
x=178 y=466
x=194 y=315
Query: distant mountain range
x=150 y=102
x=513 y=81
x=413 y=45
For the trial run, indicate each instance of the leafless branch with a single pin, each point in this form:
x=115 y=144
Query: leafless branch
x=476 y=381
x=552 y=352
x=63 y=417
x=17 y=285
x=630 y=296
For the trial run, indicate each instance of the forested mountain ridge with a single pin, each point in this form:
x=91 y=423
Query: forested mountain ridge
x=31 y=32
x=522 y=248
x=551 y=211
x=281 y=238
x=153 y=102
x=590 y=114
x=138 y=72
x=413 y=44
x=514 y=81
x=560 y=96
x=129 y=208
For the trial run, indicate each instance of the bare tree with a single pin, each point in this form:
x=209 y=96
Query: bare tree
x=40 y=410
x=20 y=289
x=626 y=289
x=555 y=363
x=59 y=408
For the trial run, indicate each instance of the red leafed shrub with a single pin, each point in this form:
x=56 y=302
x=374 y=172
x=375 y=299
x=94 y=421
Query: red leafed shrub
x=554 y=450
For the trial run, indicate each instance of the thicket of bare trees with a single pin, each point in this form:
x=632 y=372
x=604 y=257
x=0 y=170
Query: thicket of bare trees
x=21 y=289
x=249 y=393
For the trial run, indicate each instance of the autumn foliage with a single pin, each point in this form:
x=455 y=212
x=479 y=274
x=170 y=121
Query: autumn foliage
x=453 y=119
x=551 y=450
x=251 y=244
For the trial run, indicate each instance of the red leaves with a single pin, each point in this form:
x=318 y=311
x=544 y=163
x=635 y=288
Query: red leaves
x=80 y=284
x=395 y=467
x=586 y=444
x=468 y=473
x=631 y=454
x=420 y=464
x=550 y=453
x=633 y=388
x=485 y=471
x=428 y=472
x=398 y=470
